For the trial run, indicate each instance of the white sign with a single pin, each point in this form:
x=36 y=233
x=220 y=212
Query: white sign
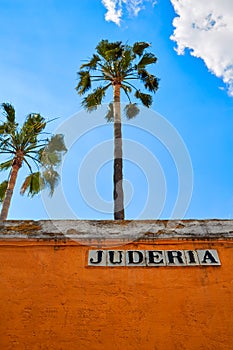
x=153 y=258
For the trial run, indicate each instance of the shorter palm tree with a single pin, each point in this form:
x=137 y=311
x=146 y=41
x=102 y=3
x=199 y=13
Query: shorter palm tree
x=28 y=146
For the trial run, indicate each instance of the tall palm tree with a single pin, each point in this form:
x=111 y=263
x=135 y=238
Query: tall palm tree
x=27 y=146
x=118 y=65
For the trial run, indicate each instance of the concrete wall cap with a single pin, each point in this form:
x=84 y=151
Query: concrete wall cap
x=127 y=230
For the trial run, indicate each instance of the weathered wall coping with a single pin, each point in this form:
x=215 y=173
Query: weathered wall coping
x=113 y=230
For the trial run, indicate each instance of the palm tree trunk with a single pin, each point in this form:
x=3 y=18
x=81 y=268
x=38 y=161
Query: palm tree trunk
x=118 y=193
x=10 y=188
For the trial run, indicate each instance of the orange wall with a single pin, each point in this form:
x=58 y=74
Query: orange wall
x=50 y=300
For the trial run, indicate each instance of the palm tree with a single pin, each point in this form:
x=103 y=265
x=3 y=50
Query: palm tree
x=117 y=65
x=27 y=146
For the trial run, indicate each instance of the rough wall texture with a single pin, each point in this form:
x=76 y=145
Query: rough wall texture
x=51 y=299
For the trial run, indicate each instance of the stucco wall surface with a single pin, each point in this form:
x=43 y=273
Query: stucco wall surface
x=51 y=299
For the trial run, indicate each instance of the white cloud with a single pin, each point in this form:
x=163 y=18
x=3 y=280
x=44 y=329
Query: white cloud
x=116 y=8
x=206 y=28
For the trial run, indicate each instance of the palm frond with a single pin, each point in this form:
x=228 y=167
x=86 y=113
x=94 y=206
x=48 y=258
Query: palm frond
x=110 y=51
x=149 y=80
x=114 y=54
x=108 y=72
x=33 y=126
x=131 y=110
x=84 y=82
x=126 y=60
x=110 y=113
x=32 y=184
x=6 y=165
x=2 y=129
x=9 y=127
x=147 y=58
x=146 y=99
x=51 y=154
x=92 y=64
x=139 y=47
x=94 y=99
x=35 y=147
x=9 y=112
x=57 y=143
x=50 y=158
x=6 y=144
x=50 y=179
x=3 y=188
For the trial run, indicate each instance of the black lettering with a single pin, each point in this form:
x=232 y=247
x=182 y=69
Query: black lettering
x=175 y=255
x=191 y=257
x=112 y=254
x=99 y=257
x=155 y=257
x=135 y=257
x=210 y=257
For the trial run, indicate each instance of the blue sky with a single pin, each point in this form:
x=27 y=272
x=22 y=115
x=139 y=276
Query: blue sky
x=43 y=43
